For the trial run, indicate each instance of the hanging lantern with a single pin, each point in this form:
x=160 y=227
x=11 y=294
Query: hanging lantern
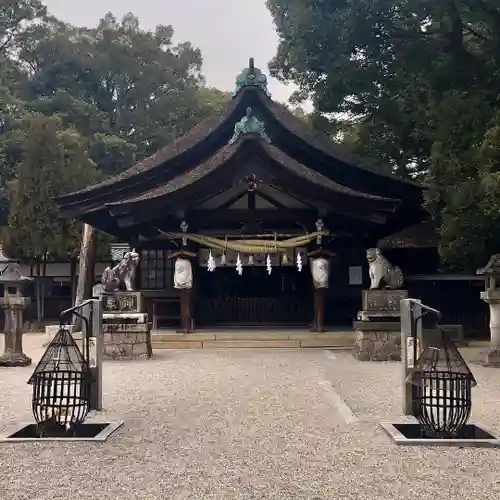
x=61 y=386
x=250 y=260
x=284 y=259
x=442 y=389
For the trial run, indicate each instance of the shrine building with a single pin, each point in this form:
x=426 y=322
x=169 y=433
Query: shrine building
x=250 y=196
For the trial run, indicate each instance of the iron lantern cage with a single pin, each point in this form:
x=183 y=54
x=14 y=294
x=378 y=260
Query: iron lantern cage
x=61 y=386
x=442 y=383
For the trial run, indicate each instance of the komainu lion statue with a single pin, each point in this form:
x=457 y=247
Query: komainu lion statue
x=122 y=273
x=382 y=271
x=319 y=271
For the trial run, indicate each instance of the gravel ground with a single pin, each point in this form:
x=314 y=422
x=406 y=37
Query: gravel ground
x=245 y=424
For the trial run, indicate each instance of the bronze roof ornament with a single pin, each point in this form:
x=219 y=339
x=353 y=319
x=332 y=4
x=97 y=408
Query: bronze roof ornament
x=251 y=77
x=249 y=124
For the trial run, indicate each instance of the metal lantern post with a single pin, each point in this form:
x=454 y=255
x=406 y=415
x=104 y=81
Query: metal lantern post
x=61 y=387
x=442 y=383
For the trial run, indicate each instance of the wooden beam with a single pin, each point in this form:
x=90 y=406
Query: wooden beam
x=251 y=201
x=232 y=200
x=270 y=200
x=251 y=216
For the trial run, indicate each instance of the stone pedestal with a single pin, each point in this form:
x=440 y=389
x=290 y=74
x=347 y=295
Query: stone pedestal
x=377 y=341
x=378 y=329
x=492 y=355
x=126 y=330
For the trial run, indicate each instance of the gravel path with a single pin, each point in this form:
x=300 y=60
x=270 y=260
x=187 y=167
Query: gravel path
x=245 y=424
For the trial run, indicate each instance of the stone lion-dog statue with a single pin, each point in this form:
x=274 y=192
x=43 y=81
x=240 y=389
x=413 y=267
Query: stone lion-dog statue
x=382 y=272
x=121 y=274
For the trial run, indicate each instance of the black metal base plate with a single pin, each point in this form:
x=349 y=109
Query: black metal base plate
x=92 y=431
x=416 y=431
x=472 y=435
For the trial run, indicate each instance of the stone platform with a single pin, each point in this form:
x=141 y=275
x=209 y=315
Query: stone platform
x=240 y=338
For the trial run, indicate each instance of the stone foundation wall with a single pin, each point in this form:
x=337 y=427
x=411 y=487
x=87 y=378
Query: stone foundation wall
x=377 y=345
x=127 y=341
x=127 y=345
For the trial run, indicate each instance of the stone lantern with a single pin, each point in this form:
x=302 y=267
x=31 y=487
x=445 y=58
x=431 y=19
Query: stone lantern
x=491 y=296
x=13 y=303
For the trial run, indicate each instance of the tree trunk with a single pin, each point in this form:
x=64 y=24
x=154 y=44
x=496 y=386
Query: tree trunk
x=85 y=258
x=38 y=292
x=44 y=275
x=73 y=263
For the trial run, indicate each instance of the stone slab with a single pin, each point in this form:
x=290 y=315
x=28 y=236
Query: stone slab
x=182 y=337
x=388 y=326
x=117 y=317
x=378 y=316
x=127 y=302
x=126 y=327
x=377 y=346
x=329 y=342
x=263 y=344
x=252 y=336
x=158 y=344
x=383 y=300
x=327 y=336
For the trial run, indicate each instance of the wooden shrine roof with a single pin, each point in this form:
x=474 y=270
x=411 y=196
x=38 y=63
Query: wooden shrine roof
x=200 y=164
x=421 y=235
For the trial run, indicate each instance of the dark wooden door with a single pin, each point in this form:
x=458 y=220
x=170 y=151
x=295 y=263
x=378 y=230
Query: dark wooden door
x=255 y=298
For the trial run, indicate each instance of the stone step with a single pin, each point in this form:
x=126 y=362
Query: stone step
x=226 y=340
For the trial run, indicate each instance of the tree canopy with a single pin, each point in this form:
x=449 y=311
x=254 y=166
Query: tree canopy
x=98 y=98
x=422 y=79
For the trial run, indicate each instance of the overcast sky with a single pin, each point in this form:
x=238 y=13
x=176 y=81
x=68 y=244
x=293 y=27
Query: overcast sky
x=228 y=32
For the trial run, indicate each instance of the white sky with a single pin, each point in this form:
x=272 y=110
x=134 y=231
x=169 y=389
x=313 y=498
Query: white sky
x=228 y=32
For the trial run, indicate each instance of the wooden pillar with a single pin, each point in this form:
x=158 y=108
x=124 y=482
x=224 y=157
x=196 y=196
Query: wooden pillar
x=320 y=282
x=186 y=310
x=184 y=283
x=319 y=309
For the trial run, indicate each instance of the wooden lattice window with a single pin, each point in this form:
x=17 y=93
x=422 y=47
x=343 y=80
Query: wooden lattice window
x=152 y=269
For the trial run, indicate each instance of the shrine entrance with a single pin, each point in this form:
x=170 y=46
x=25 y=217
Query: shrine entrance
x=254 y=298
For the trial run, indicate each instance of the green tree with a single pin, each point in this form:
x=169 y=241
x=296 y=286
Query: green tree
x=422 y=80
x=118 y=80
x=54 y=161
x=16 y=17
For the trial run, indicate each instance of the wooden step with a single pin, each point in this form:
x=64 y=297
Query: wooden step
x=264 y=340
